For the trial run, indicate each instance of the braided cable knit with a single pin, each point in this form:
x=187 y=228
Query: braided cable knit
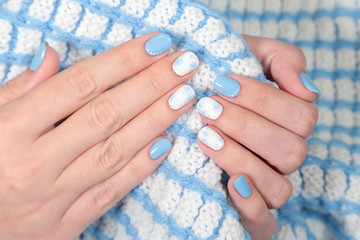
x=185 y=197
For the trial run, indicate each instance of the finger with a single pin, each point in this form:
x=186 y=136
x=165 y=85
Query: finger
x=77 y=85
x=113 y=109
x=234 y=158
x=269 y=102
x=281 y=148
x=285 y=64
x=107 y=157
x=98 y=199
x=26 y=81
x=253 y=211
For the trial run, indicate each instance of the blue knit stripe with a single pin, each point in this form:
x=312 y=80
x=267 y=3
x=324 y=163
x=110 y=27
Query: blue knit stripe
x=160 y=217
x=298 y=209
x=202 y=52
x=289 y=217
x=295 y=17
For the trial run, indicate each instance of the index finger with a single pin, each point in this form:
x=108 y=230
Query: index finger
x=69 y=90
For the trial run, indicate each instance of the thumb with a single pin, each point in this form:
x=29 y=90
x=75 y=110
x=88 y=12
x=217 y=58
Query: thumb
x=45 y=64
x=286 y=65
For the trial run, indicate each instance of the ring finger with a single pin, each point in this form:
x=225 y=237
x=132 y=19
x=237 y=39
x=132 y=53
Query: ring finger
x=281 y=148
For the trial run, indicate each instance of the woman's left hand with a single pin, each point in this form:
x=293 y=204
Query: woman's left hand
x=257 y=133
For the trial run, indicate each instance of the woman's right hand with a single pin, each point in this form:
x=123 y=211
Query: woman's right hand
x=55 y=181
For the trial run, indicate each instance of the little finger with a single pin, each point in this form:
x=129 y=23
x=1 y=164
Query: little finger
x=254 y=214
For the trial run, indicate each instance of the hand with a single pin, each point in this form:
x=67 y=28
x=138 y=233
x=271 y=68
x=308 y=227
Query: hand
x=55 y=181
x=257 y=132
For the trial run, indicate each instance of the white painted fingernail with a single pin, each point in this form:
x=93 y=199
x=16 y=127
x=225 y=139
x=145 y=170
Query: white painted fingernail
x=209 y=108
x=211 y=138
x=186 y=63
x=181 y=97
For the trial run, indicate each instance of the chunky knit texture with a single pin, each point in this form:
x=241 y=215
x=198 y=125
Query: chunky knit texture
x=186 y=198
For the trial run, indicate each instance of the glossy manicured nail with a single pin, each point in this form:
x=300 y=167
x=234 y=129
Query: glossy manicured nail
x=38 y=57
x=209 y=108
x=186 y=63
x=181 y=97
x=242 y=187
x=227 y=86
x=308 y=83
x=159 y=148
x=158 y=44
x=211 y=138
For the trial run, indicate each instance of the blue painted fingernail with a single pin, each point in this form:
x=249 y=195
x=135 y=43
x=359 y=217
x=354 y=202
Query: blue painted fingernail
x=159 y=148
x=242 y=187
x=38 y=57
x=158 y=44
x=308 y=83
x=227 y=86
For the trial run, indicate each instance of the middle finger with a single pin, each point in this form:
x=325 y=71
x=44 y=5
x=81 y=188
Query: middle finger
x=277 y=106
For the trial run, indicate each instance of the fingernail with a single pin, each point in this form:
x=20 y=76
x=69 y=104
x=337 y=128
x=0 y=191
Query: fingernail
x=308 y=83
x=181 y=97
x=159 y=148
x=209 y=108
x=227 y=86
x=158 y=44
x=186 y=63
x=38 y=57
x=211 y=138
x=242 y=187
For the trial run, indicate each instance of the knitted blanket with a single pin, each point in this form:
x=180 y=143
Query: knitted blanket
x=186 y=198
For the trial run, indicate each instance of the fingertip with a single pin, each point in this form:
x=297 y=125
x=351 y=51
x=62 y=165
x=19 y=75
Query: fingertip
x=52 y=60
x=160 y=148
x=309 y=84
x=253 y=211
x=182 y=97
x=158 y=43
x=288 y=71
x=283 y=63
x=242 y=186
x=45 y=64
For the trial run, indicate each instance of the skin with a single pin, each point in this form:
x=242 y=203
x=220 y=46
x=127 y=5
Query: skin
x=264 y=131
x=73 y=173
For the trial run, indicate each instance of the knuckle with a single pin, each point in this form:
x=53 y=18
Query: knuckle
x=294 y=52
x=139 y=172
x=125 y=60
x=110 y=155
x=242 y=125
x=296 y=155
x=307 y=119
x=279 y=195
x=80 y=82
x=8 y=126
x=10 y=90
x=105 y=195
x=256 y=213
x=156 y=82
x=18 y=180
x=104 y=115
x=262 y=99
